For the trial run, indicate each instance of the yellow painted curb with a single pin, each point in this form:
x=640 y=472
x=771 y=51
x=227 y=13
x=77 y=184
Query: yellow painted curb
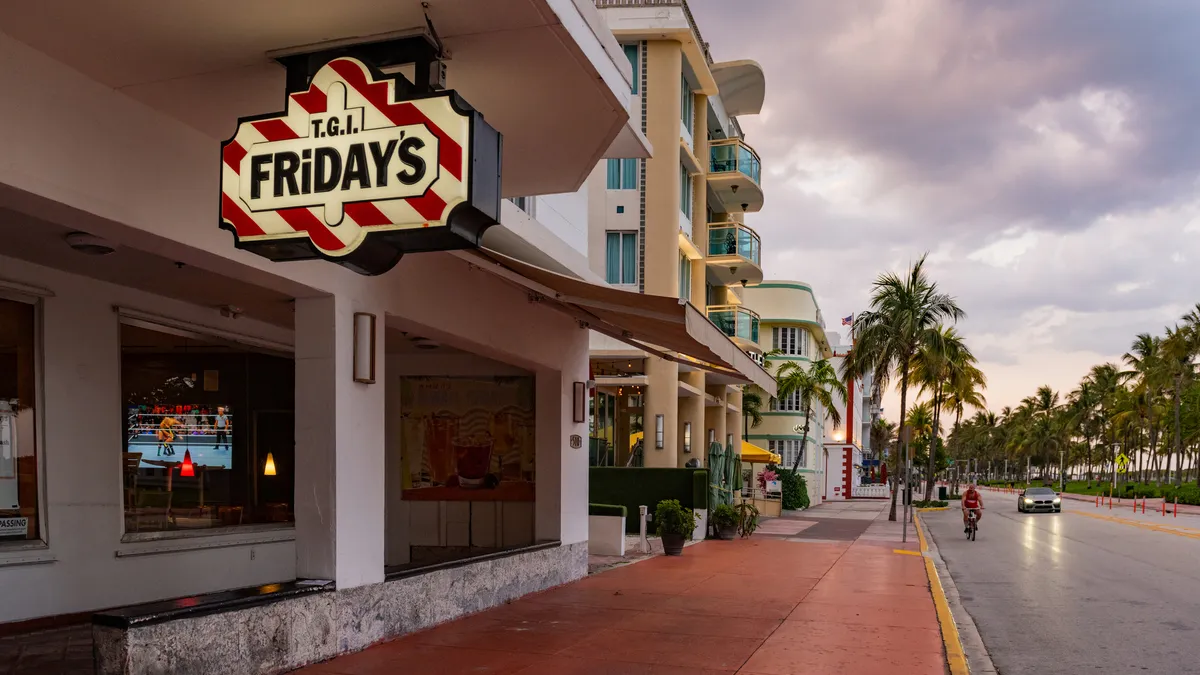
x=904 y=552
x=933 y=508
x=1178 y=531
x=955 y=658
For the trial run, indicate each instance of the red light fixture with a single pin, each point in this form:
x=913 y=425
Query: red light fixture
x=187 y=469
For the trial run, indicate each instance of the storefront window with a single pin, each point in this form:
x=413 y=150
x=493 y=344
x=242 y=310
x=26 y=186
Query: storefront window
x=209 y=431
x=18 y=429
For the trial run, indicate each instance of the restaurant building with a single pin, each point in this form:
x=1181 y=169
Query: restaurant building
x=280 y=340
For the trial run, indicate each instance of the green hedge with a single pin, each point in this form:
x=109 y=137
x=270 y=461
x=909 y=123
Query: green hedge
x=639 y=486
x=607 y=510
x=793 y=487
x=931 y=504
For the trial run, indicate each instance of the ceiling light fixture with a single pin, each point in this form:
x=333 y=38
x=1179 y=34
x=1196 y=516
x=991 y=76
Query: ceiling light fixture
x=89 y=244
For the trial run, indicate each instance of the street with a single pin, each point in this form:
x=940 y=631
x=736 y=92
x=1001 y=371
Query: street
x=1087 y=590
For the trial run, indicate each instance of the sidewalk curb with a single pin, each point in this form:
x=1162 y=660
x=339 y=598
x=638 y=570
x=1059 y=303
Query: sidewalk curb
x=957 y=625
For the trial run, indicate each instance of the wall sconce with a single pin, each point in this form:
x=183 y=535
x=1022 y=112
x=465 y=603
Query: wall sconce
x=687 y=436
x=269 y=469
x=728 y=440
x=580 y=402
x=364 y=348
x=712 y=436
x=659 y=422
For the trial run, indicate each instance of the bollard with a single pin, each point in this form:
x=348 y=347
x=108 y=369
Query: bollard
x=1097 y=501
x=1143 y=506
x=1110 y=502
x=1176 y=507
x=643 y=543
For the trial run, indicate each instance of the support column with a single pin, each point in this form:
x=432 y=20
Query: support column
x=662 y=398
x=561 y=472
x=733 y=420
x=714 y=417
x=339 y=447
x=691 y=409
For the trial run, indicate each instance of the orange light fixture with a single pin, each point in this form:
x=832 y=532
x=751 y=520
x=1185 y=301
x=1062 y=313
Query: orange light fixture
x=269 y=469
x=187 y=469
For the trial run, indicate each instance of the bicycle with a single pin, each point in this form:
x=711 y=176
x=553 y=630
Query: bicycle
x=972 y=527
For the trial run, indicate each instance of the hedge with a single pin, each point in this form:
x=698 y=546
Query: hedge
x=607 y=510
x=640 y=486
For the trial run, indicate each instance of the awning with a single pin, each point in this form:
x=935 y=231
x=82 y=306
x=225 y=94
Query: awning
x=753 y=454
x=670 y=328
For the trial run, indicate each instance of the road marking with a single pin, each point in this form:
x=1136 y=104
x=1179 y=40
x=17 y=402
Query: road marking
x=956 y=659
x=1188 y=532
x=903 y=552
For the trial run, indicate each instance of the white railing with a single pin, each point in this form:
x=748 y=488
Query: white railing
x=871 y=490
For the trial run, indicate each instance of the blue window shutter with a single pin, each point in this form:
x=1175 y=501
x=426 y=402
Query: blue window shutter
x=631 y=53
x=629 y=258
x=614 y=174
x=629 y=174
x=613 y=258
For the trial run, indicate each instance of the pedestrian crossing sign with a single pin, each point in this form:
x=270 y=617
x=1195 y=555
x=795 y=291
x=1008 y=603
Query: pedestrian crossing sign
x=1122 y=462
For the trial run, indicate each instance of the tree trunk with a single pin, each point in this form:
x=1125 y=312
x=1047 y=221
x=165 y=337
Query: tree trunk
x=900 y=435
x=804 y=441
x=932 y=464
x=1178 y=436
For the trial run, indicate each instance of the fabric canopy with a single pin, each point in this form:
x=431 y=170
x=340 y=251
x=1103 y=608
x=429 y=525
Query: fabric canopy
x=753 y=454
x=668 y=327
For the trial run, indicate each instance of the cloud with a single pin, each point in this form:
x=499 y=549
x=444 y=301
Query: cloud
x=1043 y=150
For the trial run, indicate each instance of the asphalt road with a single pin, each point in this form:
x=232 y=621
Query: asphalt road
x=1087 y=590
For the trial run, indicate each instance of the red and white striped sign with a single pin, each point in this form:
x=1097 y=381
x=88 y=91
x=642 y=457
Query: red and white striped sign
x=345 y=160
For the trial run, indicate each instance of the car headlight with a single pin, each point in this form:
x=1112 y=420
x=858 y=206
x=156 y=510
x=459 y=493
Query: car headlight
x=1028 y=500
x=1058 y=500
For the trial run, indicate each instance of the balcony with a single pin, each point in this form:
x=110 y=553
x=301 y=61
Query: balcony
x=734 y=254
x=738 y=323
x=735 y=175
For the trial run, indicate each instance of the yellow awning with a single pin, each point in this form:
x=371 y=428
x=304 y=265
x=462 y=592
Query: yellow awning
x=753 y=454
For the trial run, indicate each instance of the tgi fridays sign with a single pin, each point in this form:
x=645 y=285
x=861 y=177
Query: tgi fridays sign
x=359 y=170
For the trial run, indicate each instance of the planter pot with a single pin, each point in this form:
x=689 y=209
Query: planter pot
x=727 y=532
x=673 y=544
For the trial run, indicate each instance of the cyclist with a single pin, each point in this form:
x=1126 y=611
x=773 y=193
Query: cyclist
x=972 y=500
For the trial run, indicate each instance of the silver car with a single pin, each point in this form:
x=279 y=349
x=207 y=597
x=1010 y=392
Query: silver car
x=1037 y=499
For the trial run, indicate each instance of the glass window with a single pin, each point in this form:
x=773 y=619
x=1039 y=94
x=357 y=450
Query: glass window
x=789 y=403
x=209 y=431
x=685 y=277
x=686 y=104
x=685 y=191
x=790 y=341
x=631 y=53
x=787 y=450
x=621 y=258
x=19 y=516
x=622 y=174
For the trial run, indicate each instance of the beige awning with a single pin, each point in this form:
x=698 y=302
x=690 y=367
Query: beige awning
x=667 y=327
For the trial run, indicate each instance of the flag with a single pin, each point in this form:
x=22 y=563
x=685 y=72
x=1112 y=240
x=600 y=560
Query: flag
x=848 y=320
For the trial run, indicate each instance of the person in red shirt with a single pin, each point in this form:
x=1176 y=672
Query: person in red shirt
x=972 y=500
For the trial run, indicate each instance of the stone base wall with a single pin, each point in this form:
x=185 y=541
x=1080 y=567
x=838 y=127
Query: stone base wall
x=279 y=636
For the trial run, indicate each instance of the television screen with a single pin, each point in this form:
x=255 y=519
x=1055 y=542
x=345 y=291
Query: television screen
x=162 y=434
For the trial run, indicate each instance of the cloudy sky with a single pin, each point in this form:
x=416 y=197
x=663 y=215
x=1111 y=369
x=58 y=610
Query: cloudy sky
x=1044 y=152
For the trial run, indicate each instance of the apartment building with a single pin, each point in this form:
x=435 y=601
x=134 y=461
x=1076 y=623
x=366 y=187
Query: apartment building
x=674 y=225
x=792 y=329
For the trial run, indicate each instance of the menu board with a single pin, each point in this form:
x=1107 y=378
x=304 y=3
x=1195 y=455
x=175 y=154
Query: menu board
x=8 y=460
x=467 y=438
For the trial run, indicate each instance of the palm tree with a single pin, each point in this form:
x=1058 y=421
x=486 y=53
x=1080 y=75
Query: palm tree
x=752 y=404
x=816 y=383
x=942 y=363
x=1179 y=353
x=904 y=311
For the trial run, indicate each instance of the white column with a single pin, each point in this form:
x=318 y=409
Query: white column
x=339 y=447
x=562 y=471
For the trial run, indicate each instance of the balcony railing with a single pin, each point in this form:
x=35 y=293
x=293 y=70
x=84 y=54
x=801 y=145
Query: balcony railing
x=734 y=155
x=734 y=239
x=735 y=321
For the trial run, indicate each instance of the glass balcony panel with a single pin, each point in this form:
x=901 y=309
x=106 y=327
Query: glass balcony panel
x=734 y=239
x=726 y=156
x=736 y=322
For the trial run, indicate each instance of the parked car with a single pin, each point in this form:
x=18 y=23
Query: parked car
x=1037 y=499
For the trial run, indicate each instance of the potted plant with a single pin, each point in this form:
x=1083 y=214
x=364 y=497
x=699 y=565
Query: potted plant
x=747 y=518
x=674 y=525
x=725 y=521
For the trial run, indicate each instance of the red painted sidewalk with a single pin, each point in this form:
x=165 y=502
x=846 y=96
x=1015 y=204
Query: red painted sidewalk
x=756 y=606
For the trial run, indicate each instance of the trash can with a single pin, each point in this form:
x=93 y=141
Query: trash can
x=908 y=497
x=943 y=495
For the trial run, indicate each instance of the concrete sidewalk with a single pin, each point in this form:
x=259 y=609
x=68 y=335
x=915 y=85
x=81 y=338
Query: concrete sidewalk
x=763 y=605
